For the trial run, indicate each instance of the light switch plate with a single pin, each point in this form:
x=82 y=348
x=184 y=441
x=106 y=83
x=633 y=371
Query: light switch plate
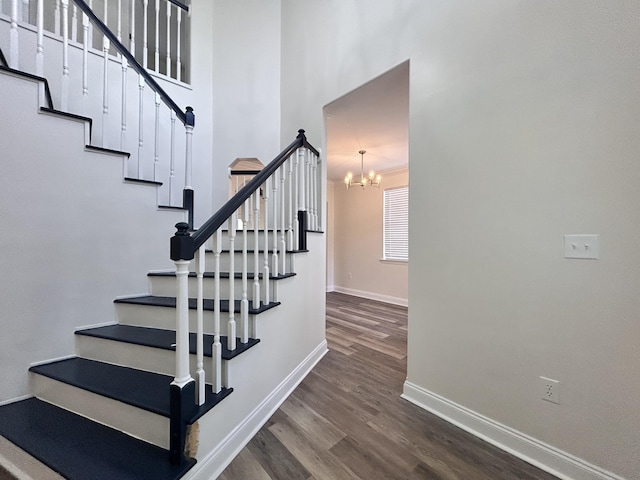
x=581 y=246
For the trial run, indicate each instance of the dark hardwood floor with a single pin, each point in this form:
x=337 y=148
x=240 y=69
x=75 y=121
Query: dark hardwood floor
x=346 y=420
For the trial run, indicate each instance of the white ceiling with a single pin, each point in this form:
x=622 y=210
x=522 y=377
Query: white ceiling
x=375 y=118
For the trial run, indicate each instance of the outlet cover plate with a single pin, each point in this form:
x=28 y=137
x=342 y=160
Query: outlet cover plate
x=581 y=246
x=550 y=390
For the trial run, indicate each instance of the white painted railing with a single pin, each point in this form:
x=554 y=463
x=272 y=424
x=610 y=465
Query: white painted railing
x=46 y=38
x=287 y=192
x=158 y=30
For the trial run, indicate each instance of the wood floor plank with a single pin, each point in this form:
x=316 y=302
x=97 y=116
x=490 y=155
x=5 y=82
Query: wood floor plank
x=275 y=458
x=347 y=421
x=246 y=466
x=319 y=461
x=321 y=433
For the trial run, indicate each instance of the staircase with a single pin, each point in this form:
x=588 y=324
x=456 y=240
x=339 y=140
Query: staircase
x=106 y=410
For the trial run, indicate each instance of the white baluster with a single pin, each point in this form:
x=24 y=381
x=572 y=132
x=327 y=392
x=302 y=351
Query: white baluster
x=274 y=257
x=172 y=156
x=265 y=268
x=316 y=209
x=231 y=331
x=56 y=18
x=74 y=23
x=156 y=56
x=14 y=49
x=188 y=169
x=145 y=32
x=283 y=242
x=40 y=39
x=216 y=349
x=244 y=302
x=64 y=99
x=307 y=183
x=290 y=210
x=200 y=326
x=106 y=44
x=178 y=52
x=169 y=8
x=296 y=203
x=85 y=63
x=90 y=38
x=119 y=30
x=182 y=323
x=256 y=251
x=123 y=122
x=300 y=180
x=156 y=147
x=132 y=27
x=140 y=123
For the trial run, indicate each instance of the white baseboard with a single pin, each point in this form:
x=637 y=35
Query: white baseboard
x=533 y=451
x=372 y=296
x=214 y=464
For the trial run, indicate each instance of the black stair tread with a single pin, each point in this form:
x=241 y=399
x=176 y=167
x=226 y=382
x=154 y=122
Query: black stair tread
x=260 y=251
x=237 y=275
x=165 y=339
x=155 y=301
x=80 y=449
x=146 y=390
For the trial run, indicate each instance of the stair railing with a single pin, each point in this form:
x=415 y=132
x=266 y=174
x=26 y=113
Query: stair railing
x=289 y=191
x=144 y=162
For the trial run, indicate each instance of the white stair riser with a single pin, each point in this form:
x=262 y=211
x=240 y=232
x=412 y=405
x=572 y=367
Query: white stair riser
x=165 y=286
x=165 y=318
x=137 y=356
x=251 y=239
x=224 y=262
x=134 y=421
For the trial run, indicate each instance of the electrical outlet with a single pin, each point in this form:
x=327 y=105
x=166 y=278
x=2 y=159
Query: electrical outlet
x=349 y=276
x=581 y=246
x=550 y=390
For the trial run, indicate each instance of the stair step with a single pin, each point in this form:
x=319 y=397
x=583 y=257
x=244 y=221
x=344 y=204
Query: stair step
x=164 y=339
x=145 y=390
x=155 y=301
x=237 y=275
x=80 y=449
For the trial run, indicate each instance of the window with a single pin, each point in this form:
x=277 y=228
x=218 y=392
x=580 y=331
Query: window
x=396 y=224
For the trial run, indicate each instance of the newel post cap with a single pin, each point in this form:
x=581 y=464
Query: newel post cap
x=182 y=246
x=190 y=117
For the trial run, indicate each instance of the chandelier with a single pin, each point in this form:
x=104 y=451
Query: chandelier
x=373 y=179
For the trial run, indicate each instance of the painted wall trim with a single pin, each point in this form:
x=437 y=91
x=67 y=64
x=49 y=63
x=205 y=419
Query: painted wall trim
x=372 y=296
x=217 y=460
x=533 y=451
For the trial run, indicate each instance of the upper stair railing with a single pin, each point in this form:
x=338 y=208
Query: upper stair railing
x=86 y=81
x=289 y=191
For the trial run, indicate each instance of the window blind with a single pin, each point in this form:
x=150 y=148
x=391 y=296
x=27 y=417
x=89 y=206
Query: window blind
x=396 y=224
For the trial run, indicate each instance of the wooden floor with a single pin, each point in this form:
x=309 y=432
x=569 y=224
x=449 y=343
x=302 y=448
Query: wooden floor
x=346 y=420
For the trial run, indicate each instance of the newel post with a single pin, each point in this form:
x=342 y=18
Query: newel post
x=187 y=198
x=182 y=390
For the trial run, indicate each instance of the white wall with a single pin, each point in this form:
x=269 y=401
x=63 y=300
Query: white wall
x=358 y=243
x=523 y=128
x=246 y=85
x=75 y=236
x=329 y=233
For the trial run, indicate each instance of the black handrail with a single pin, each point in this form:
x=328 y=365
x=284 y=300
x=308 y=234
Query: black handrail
x=184 y=118
x=179 y=5
x=184 y=245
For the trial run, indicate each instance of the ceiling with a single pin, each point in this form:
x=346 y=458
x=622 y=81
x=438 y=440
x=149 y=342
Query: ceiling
x=375 y=118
